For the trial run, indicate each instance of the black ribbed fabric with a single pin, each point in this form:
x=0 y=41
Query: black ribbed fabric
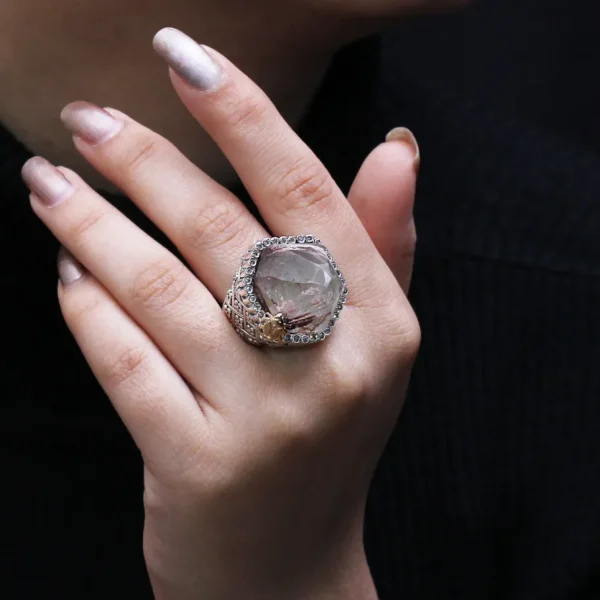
x=490 y=485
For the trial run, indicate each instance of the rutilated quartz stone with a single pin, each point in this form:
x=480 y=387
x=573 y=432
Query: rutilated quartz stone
x=299 y=283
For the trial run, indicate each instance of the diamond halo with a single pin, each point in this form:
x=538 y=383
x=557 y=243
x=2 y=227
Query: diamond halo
x=305 y=284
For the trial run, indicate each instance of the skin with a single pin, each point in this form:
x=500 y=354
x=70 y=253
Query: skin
x=251 y=491
x=98 y=51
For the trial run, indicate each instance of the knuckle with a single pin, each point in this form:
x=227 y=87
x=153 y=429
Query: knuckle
x=347 y=384
x=162 y=284
x=215 y=225
x=147 y=148
x=81 y=228
x=153 y=502
x=246 y=111
x=305 y=185
x=129 y=363
x=409 y=245
x=289 y=425
x=411 y=340
x=405 y=333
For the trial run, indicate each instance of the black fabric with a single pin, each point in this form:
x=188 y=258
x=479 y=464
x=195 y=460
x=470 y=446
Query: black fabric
x=490 y=485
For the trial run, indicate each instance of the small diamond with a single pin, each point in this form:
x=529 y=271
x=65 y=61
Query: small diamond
x=252 y=298
x=327 y=331
x=266 y=242
x=259 y=245
x=305 y=339
x=249 y=289
x=343 y=300
x=250 y=271
x=291 y=240
x=334 y=265
x=340 y=307
x=253 y=262
x=301 y=239
x=261 y=313
x=296 y=339
x=332 y=323
x=287 y=337
x=283 y=240
x=310 y=239
x=248 y=280
x=322 y=336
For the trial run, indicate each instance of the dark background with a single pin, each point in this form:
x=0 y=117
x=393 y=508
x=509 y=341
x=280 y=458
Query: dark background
x=538 y=60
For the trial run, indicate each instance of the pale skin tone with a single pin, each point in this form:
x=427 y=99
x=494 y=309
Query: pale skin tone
x=257 y=461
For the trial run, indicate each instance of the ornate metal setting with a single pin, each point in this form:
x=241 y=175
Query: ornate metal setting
x=249 y=315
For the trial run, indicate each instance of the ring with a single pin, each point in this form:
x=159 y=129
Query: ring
x=288 y=291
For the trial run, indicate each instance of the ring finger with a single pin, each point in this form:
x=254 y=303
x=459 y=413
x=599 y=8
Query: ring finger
x=208 y=224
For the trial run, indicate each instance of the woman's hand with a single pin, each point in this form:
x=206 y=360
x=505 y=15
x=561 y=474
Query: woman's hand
x=257 y=461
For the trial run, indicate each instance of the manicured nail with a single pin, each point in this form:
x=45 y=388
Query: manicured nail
x=90 y=122
x=190 y=60
x=70 y=269
x=402 y=134
x=46 y=181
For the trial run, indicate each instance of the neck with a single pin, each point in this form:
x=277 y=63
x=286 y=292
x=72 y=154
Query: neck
x=101 y=52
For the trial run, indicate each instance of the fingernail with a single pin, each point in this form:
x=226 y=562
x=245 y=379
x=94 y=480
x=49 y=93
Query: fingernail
x=70 y=269
x=46 y=181
x=190 y=60
x=402 y=134
x=90 y=122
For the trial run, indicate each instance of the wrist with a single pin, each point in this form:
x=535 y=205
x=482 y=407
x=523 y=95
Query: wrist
x=344 y=578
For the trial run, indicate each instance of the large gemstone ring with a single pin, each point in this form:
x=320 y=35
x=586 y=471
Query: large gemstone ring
x=288 y=291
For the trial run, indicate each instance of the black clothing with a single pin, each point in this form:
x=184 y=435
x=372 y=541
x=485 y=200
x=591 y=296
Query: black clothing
x=490 y=486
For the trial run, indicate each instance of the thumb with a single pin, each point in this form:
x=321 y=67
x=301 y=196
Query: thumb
x=383 y=197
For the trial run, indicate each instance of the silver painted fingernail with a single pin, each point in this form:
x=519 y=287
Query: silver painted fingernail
x=46 y=181
x=70 y=269
x=402 y=134
x=90 y=122
x=190 y=60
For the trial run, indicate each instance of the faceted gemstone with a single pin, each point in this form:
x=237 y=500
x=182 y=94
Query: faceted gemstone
x=298 y=282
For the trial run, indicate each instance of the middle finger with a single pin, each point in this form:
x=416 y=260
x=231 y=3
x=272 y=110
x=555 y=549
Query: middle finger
x=290 y=186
